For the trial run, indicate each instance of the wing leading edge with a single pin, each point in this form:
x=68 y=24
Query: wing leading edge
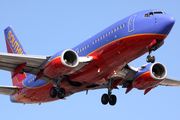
x=170 y=82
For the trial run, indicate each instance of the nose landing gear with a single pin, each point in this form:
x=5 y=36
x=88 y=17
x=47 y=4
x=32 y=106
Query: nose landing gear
x=150 y=58
x=155 y=45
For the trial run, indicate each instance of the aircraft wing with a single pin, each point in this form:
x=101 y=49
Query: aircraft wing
x=7 y=90
x=127 y=74
x=10 y=62
x=170 y=82
x=34 y=64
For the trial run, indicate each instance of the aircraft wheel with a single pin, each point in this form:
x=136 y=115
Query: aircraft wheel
x=112 y=100
x=61 y=93
x=53 y=92
x=150 y=59
x=104 y=99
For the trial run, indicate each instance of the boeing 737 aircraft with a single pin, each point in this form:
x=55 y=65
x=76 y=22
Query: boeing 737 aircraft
x=99 y=62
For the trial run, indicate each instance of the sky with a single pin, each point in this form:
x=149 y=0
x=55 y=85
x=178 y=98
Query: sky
x=45 y=27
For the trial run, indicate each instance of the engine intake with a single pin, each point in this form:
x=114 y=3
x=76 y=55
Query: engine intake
x=158 y=71
x=69 y=58
x=61 y=63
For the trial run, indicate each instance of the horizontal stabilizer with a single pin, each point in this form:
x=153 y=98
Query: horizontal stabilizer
x=7 y=90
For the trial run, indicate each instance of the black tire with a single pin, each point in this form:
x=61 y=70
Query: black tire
x=148 y=59
x=152 y=59
x=61 y=93
x=53 y=92
x=104 y=99
x=112 y=100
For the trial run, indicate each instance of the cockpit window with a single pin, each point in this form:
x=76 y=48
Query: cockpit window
x=146 y=15
x=158 y=12
x=152 y=13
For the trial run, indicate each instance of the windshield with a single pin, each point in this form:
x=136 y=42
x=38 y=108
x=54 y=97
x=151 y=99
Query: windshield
x=152 y=13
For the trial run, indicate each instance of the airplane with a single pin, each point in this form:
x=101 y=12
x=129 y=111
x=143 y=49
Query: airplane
x=102 y=61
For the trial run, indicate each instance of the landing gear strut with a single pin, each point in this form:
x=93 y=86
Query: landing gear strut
x=109 y=97
x=57 y=91
x=150 y=58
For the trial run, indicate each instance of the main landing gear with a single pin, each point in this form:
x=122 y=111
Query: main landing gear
x=54 y=92
x=57 y=91
x=109 y=97
x=150 y=58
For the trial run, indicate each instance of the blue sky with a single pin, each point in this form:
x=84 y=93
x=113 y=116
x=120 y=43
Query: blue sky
x=45 y=27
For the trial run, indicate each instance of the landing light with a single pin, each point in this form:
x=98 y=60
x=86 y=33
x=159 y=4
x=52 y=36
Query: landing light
x=114 y=72
x=99 y=70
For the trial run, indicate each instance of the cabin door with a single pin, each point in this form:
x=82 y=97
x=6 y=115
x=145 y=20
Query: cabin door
x=131 y=23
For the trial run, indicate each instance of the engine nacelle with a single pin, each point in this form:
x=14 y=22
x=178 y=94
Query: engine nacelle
x=149 y=75
x=61 y=63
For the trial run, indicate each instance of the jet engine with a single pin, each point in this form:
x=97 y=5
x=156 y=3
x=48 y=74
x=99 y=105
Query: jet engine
x=61 y=63
x=149 y=76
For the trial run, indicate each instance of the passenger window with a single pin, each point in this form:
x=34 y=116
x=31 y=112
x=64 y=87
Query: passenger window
x=118 y=28
x=93 y=42
x=88 y=45
x=124 y=24
x=80 y=49
x=121 y=26
x=101 y=37
x=115 y=30
x=85 y=47
x=106 y=34
x=98 y=39
x=111 y=31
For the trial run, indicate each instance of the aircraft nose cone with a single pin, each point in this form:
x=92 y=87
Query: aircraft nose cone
x=171 y=21
x=168 y=22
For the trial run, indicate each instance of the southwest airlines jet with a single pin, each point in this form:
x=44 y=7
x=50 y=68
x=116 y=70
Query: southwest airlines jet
x=99 y=62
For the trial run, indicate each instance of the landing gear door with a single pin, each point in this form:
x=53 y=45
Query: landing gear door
x=131 y=23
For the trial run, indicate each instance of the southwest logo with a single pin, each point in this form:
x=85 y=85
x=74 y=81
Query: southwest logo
x=14 y=43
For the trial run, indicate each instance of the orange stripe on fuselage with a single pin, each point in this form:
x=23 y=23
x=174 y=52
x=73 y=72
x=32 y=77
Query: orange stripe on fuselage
x=125 y=38
x=35 y=87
